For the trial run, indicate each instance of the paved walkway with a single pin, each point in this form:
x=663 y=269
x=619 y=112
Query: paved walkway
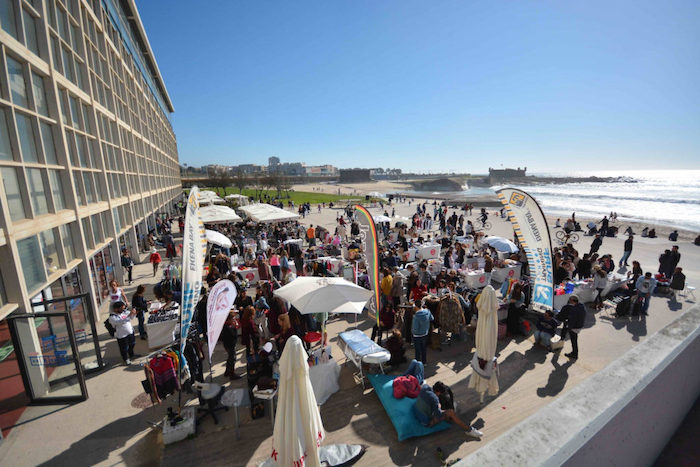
x=113 y=426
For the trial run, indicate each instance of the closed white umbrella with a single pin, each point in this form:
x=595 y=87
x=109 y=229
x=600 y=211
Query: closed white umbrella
x=218 y=239
x=484 y=377
x=502 y=244
x=298 y=427
x=324 y=295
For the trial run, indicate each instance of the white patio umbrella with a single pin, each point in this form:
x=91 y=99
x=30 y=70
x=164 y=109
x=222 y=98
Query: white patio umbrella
x=298 y=427
x=485 y=379
x=218 y=239
x=381 y=218
x=324 y=295
x=502 y=244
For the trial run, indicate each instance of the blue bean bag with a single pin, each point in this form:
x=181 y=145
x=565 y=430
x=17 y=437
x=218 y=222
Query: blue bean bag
x=400 y=411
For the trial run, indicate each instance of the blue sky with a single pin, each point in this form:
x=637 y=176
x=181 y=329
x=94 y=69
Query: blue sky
x=433 y=85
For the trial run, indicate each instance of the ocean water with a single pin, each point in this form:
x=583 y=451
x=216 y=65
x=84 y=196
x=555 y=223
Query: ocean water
x=661 y=197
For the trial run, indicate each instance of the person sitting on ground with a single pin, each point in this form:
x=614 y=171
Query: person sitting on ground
x=629 y=231
x=428 y=412
x=546 y=328
x=645 y=232
x=673 y=236
x=652 y=233
x=697 y=240
x=558 y=223
x=396 y=347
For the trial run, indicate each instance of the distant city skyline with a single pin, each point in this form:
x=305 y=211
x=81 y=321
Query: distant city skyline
x=441 y=87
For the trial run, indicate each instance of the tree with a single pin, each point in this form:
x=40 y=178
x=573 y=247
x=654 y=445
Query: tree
x=222 y=181
x=241 y=181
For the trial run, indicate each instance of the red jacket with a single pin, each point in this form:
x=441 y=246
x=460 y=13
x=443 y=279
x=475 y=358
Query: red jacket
x=406 y=386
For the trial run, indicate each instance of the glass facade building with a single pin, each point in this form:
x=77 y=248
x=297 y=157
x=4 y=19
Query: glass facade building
x=88 y=156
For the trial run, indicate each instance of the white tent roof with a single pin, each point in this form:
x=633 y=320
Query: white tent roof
x=218 y=214
x=209 y=197
x=242 y=200
x=267 y=213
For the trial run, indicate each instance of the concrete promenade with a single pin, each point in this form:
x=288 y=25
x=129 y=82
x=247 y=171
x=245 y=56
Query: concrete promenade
x=113 y=426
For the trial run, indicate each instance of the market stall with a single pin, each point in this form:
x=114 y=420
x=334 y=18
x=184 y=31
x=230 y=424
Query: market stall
x=474 y=278
x=428 y=251
x=510 y=270
x=585 y=291
x=323 y=373
x=215 y=214
x=162 y=326
x=266 y=213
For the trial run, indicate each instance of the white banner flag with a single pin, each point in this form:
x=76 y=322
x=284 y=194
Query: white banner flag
x=533 y=234
x=221 y=298
x=194 y=245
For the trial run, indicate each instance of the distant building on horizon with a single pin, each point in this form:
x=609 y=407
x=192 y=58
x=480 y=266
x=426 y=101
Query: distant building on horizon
x=506 y=174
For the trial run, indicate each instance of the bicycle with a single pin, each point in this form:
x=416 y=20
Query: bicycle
x=485 y=226
x=564 y=238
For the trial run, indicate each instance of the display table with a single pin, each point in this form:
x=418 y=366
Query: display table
x=324 y=377
x=474 y=279
x=334 y=265
x=475 y=262
x=162 y=333
x=297 y=241
x=251 y=275
x=586 y=293
x=512 y=271
x=428 y=251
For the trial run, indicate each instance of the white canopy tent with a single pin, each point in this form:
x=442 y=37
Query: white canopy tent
x=266 y=213
x=206 y=197
x=214 y=214
x=242 y=200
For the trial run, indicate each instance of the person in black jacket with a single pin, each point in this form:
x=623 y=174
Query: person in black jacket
x=229 y=336
x=627 y=251
x=573 y=315
x=595 y=244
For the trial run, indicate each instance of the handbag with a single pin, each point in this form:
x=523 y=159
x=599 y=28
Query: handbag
x=110 y=329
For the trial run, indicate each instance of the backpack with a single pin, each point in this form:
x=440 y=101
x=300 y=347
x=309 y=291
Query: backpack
x=110 y=329
x=623 y=307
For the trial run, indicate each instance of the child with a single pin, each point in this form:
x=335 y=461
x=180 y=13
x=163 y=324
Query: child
x=546 y=328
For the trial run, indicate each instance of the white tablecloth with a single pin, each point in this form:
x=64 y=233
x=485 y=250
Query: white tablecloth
x=251 y=275
x=475 y=279
x=501 y=274
x=428 y=251
x=586 y=293
x=324 y=380
x=162 y=333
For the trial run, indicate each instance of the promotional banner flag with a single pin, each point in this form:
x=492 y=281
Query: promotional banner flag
x=194 y=245
x=221 y=298
x=533 y=234
x=368 y=236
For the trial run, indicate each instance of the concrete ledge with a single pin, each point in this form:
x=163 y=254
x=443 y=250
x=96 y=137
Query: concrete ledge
x=622 y=415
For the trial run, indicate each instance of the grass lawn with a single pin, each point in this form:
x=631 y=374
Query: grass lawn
x=297 y=196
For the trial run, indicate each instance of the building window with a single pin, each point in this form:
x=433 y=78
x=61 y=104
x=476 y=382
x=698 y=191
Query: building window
x=5 y=146
x=59 y=200
x=89 y=187
x=49 y=146
x=39 y=95
x=7 y=17
x=47 y=239
x=78 y=187
x=97 y=232
x=37 y=191
x=26 y=138
x=30 y=38
x=32 y=262
x=67 y=237
x=17 y=83
x=13 y=193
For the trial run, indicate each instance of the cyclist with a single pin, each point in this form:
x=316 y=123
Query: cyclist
x=483 y=217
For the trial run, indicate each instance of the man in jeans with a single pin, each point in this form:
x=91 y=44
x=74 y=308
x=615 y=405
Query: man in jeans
x=645 y=286
x=628 y=251
x=573 y=315
x=420 y=329
x=124 y=331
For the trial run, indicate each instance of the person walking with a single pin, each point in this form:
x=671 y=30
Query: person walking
x=116 y=294
x=121 y=318
x=645 y=286
x=127 y=264
x=420 y=328
x=155 y=260
x=627 y=251
x=573 y=315
x=595 y=244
